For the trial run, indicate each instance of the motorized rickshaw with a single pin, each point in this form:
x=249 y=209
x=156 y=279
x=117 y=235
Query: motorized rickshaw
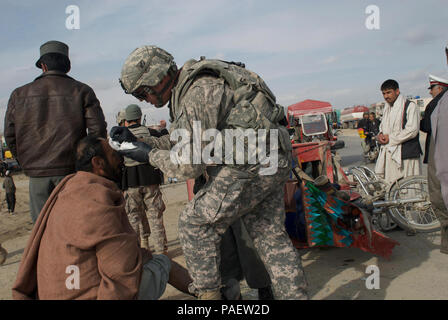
x=314 y=139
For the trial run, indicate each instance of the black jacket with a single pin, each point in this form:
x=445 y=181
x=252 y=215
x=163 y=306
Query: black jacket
x=425 y=123
x=363 y=123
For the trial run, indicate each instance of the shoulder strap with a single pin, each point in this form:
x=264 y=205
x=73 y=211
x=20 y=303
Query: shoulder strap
x=404 y=118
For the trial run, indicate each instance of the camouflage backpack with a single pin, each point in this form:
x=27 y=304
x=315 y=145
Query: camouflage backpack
x=255 y=104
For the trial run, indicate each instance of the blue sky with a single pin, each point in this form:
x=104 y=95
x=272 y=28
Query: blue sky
x=303 y=49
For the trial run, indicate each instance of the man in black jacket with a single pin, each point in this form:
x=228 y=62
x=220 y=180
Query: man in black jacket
x=437 y=87
x=363 y=124
x=46 y=118
x=433 y=152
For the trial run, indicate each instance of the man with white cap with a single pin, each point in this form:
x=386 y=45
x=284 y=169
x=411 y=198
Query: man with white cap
x=437 y=86
x=438 y=164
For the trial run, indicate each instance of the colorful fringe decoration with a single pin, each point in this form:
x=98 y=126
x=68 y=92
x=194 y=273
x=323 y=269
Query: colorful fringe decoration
x=324 y=216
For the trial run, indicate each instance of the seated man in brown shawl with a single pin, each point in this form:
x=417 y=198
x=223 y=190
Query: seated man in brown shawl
x=83 y=247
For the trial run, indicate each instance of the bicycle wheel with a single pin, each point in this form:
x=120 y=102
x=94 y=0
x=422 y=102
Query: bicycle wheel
x=415 y=216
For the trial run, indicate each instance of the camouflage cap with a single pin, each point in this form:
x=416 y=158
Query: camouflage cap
x=145 y=66
x=121 y=116
x=133 y=112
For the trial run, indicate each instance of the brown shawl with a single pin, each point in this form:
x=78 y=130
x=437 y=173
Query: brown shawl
x=82 y=224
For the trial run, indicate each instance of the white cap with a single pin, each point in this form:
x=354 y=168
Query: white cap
x=434 y=80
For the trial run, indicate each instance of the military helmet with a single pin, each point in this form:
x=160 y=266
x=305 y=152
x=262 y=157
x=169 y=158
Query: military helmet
x=133 y=112
x=146 y=66
x=121 y=116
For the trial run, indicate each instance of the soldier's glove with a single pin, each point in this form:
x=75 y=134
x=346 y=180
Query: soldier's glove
x=139 y=153
x=122 y=134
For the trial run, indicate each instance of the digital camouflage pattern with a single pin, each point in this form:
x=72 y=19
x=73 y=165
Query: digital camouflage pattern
x=232 y=191
x=146 y=66
x=228 y=195
x=212 y=102
x=136 y=213
x=145 y=204
x=224 y=199
x=121 y=116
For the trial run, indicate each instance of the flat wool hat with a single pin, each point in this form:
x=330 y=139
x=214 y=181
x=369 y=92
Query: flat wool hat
x=434 y=80
x=52 y=46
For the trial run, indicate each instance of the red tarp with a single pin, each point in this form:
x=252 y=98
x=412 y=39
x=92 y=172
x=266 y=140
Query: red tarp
x=309 y=106
x=355 y=109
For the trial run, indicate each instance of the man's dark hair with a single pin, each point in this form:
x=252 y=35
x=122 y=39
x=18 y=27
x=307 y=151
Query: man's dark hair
x=373 y=114
x=56 y=61
x=389 y=84
x=87 y=148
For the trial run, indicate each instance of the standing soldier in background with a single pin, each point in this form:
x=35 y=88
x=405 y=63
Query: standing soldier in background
x=438 y=165
x=121 y=117
x=10 y=190
x=46 y=118
x=219 y=95
x=142 y=193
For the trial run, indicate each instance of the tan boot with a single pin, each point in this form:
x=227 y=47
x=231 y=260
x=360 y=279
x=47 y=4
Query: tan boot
x=210 y=295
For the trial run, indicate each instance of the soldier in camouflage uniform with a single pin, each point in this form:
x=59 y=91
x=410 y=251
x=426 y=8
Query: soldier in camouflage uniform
x=142 y=193
x=221 y=96
x=137 y=217
x=121 y=117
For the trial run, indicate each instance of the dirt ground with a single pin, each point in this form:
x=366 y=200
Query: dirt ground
x=416 y=270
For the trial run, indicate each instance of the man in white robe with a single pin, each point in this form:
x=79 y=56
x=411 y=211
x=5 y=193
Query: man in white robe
x=393 y=134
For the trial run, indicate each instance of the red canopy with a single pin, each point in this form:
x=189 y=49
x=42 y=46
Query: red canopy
x=309 y=106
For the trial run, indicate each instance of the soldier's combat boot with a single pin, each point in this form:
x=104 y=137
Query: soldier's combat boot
x=231 y=291
x=210 y=295
x=3 y=255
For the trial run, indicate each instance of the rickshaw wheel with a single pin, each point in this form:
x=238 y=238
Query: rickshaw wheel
x=385 y=222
